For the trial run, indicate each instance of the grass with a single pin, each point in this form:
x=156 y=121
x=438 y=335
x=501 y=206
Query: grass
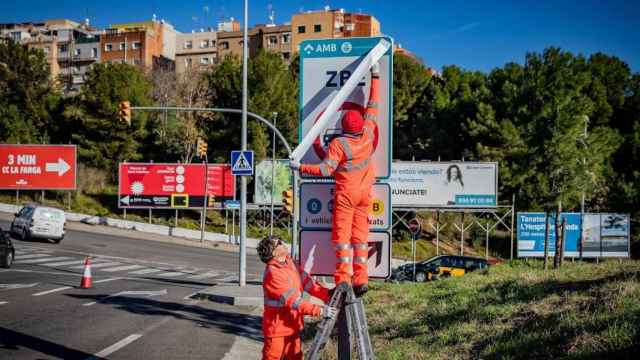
x=511 y=311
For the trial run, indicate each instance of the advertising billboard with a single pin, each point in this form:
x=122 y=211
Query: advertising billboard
x=263 y=181
x=325 y=66
x=37 y=167
x=220 y=181
x=604 y=235
x=444 y=184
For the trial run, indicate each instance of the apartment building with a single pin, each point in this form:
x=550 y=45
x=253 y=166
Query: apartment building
x=196 y=50
x=276 y=38
x=147 y=44
x=331 y=23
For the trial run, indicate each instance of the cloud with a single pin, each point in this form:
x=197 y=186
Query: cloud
x=466 y=27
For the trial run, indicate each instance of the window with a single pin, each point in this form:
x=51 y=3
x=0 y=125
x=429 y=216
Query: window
x=188 y=62
x=317 y=28
x=301 y=29
x=286 y=55
x=136 y=45
x=63 y=48
x=188 y=44
x=46 y=49
x=123 y=46
x=94 y=53
x=77 y=52
x=285 y=38
x=224 y=44
x=349 y=27
x=272 y=41
x=137 y=62
x=213 y=43
x=204 y=61
x=108 y=47
x=204 y=44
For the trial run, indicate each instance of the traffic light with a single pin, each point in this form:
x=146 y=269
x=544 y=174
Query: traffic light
x=124 y=112
x=287 y=200
x=202 y=148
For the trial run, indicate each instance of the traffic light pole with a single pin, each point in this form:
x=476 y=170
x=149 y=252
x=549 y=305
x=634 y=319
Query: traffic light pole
x=243 y=179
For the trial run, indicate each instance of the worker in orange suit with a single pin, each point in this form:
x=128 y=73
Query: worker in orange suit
x=284 y=308
x=348 y=160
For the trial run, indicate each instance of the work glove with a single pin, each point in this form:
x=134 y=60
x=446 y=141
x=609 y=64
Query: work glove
x=329 y=312
x=294 y=165
x=308 y=265
x=375 y=70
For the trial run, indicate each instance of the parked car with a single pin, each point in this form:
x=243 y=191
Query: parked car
x=35 y=221
x=438 y=267
x=7 y=252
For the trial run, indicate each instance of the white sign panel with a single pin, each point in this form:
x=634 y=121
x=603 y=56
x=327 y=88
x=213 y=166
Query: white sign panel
x=324 y=264
x=325 y=66
x=444 y=184
x=316 y=206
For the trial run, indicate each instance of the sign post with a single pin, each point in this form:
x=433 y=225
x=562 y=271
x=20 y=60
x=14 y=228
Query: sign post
x=416 y=228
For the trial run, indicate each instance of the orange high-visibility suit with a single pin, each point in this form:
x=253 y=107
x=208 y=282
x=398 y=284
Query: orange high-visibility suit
x=349 y=161
x=284 y=308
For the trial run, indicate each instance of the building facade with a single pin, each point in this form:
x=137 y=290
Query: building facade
x=146 y=44
x=196 y=50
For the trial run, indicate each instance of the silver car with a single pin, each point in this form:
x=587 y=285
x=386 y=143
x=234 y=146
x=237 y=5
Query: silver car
x=35 y=221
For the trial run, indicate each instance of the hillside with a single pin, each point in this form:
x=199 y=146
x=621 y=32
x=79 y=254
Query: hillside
x=514 y=311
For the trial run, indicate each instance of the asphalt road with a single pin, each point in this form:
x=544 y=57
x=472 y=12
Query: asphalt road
x=138 y=308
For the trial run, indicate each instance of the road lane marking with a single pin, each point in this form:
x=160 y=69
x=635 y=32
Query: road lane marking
x=35 y=261
x=134 y=294
x=117 y=346
x=63 y=263
x=170 y=274
x=106 y=280
x=16 y=286
x=229 y=278
x=208 y=274
x=30 y=256
x=145 y=271
x=123 y=268
x=3 y=302
x=97 y=266
x=53 y=290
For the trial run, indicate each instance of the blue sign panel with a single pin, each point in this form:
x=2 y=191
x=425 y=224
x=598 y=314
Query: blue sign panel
x=242 y=162
x=531 y=230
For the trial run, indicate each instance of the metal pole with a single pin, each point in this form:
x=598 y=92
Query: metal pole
x=243 y=179
x=513 y=216
x=546 y=239
x=203 y=222
x=273 y=172
x=17 y=197
x=413 y=254
x=124 y=216
x=149 y=215
x=437 y=233
x=233 y=215
x=462 y=237
x=294 y=219
x=176 y=223
x=69 y=197
x=486 y=249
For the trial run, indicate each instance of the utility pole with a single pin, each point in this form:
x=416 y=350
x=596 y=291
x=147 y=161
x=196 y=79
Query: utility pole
x=243 y=179
x=273 y=171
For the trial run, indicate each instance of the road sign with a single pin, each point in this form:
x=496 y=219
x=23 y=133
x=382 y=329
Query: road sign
x=156 y=185
x=220 y=181
x=415 y=227
x=37 y=167
x=232 y=204
x=324 y=264
x=242 y=162
x=325 y=66
x=316 y=206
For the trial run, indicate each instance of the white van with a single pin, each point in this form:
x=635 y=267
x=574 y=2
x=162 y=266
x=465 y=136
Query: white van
x=35 y=221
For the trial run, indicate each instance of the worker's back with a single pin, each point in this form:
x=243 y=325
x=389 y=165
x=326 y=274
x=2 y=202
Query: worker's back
x=356 y=169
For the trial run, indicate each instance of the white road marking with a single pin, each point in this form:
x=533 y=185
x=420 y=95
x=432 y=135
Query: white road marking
x=170 y=274
x=105 y=280
x=97 y=266
x=229 y=278
x=208 y=274
x=16 y=286
x=123 y=268
x=63 y=263
x=35 y=261
x=117 y=346
x=52 y=291
x=145 y=271
x=130 y=294
x=31 y=256
x=89 y=304
x=3 y=302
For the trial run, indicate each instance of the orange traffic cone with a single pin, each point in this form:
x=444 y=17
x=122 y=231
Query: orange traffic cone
x=86 y=276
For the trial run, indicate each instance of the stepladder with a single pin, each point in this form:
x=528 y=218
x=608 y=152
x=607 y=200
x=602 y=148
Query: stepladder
x=352 y=325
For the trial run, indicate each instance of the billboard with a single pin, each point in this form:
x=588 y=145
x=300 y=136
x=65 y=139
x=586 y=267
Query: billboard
x=38 y=167
x=262 y=181
x=325 y=66
x=604 y=235
x=220 y=181
x=444 y=184
x=379 y=263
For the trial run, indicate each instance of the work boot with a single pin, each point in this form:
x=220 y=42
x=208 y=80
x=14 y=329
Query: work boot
x=360 y=290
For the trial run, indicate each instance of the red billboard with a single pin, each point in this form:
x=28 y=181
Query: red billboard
x=157 y=185
x=37 y=167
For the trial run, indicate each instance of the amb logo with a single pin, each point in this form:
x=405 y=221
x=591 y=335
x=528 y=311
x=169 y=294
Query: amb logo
x=320 y=48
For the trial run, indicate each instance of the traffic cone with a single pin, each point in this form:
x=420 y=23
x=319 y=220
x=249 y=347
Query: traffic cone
x=86 y=276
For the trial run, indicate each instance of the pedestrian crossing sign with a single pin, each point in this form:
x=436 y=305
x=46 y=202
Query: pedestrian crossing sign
x=242 y=162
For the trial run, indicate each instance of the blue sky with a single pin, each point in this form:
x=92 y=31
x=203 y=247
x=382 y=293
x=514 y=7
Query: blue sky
x=476 y=35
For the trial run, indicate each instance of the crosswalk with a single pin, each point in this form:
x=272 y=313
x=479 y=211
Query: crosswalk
x=119 y=267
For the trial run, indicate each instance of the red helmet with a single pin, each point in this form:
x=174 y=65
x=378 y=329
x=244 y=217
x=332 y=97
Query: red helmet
x=352 y=122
